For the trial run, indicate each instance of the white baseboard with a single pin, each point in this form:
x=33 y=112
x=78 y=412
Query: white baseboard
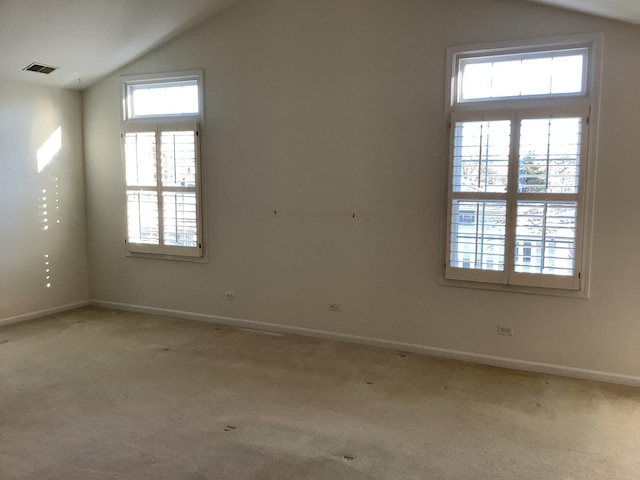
x=502 y=362
x=43 y=313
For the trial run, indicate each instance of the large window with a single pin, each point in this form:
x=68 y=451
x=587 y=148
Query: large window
x=518 y=179
x=160 y=138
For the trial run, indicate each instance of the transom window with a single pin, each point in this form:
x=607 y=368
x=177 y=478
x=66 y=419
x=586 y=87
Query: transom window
x=163 y=98
x=519 y=144
x=161 y=152
x=554 y=72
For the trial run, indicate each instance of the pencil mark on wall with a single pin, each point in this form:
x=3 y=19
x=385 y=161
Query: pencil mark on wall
x=321 y=215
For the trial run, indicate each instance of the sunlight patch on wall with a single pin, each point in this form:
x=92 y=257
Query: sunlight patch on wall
x=49 y=212
x=49 y=149
x=44 y=213
x=46 y=218
x=47 y=271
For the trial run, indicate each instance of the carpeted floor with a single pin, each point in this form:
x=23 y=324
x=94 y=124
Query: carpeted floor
x=99 y=394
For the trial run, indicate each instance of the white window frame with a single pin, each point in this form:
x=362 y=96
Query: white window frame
x=480 y=57
x=158 y=124
x=584 y=104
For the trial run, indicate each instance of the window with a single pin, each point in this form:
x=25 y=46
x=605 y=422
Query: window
x=518 y=178
x=161 y=150
x=547 y=73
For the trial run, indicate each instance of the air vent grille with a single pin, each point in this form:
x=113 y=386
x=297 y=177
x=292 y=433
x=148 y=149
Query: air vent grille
x=40 y=68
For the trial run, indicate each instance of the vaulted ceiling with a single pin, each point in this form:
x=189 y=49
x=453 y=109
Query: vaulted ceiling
x=625 y=10
x=88 y=39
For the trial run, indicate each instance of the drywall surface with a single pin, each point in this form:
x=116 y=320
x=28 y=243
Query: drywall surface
x=324 y=109
x=43 y=255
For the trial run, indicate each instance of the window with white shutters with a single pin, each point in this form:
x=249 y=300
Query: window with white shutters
x=519 y=126
x=162 y=165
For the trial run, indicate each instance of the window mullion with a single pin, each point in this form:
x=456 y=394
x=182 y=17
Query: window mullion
x=512 y=197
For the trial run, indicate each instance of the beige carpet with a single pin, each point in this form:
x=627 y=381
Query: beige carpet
x=98 y=394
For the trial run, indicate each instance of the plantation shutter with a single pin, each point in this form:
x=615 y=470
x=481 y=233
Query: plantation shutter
x=516 y=197
x=162 y=181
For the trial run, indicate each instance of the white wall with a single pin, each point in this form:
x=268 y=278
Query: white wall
x=42 y=214
x=316 y=108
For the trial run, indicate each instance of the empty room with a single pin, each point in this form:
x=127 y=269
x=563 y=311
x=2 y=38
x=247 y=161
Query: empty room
x=319 y=239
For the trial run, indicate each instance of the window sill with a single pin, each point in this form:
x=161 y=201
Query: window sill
x=582 y=294
x=171 y=258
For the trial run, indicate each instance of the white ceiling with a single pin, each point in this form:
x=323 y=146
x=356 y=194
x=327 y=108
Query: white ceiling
x=88 y=39
x=625 y=10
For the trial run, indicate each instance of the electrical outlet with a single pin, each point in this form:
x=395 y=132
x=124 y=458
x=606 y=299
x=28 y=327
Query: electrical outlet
x=231 y=296
x=508 y=331
x=334 y=307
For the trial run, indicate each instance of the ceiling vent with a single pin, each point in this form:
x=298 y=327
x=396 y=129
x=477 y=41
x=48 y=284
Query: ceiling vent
x=40 y=68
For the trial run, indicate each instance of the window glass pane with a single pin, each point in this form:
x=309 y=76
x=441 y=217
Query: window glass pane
x=142 y=217
x=178 y=159
x=503 y=79
x=515 y=75
x=180 y=219
x=534 y=77
x=550 y=155
x=562 y=82
x=481 y=156
x=140 y=158
x=171 y=98
x=477 y=80
x=478 y=234
x=546 y=237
